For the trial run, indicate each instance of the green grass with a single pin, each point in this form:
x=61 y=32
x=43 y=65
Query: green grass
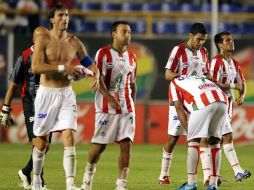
x=144 y=171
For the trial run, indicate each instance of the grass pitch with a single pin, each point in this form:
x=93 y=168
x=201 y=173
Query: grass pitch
x=144 y=171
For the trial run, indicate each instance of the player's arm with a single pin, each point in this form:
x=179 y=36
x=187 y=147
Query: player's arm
x=228 y=86
x=239 y=101
x=5 y=117
x=170 y=75
x=104 y=91
x=181 y=114
x=41 y=39
x=133 y=87
x=86 y=61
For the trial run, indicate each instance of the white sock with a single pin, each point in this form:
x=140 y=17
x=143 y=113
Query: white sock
x=230 y=153
x=192 y=162
x=38 y=160
x=205 y=157
x=165 y=163
x=89 y=172
x=121 y=182
x=215 y=163
x=69 y=164
x=125 y=173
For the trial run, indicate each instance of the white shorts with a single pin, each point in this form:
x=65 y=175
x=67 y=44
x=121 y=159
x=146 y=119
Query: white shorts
x=55 y=110
x=207 y=121
x=228 y=128
x=111 y=128
x=175 y=128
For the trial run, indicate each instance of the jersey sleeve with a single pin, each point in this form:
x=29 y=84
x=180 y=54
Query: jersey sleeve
x=134 y=72
x=215 y=70
x=100 y=61
x=17 y=74
x=172 y=93
x=173 y=60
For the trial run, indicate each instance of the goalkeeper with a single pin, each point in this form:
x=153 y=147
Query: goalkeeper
x=29 y=82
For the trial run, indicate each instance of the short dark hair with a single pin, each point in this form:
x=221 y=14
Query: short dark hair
x=218 y=38
x=54 y=8
x=115 y=24
x=198 y=28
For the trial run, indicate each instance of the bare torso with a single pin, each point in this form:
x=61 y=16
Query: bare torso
x=58 y=51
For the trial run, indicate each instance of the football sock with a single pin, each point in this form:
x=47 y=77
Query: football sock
x=215 y=163
x=69 y=162
x=89 y=172
x=165 y=163
x=230 y=153
x=192 y=162
x=205 y=157
x=124 y=174
x=38 y=159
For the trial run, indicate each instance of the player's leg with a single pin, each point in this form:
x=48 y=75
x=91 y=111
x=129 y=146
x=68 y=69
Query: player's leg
x=205 y=158
x=174 y=130
x=231 y=155
x=40 y=145
x=123 y=163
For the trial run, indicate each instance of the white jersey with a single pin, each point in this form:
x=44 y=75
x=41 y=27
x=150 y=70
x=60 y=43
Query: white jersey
x=184 y=61
x=195 y=92
x=226 y=72
x=119 y=71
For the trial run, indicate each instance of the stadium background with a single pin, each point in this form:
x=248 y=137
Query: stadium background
x=157 y=27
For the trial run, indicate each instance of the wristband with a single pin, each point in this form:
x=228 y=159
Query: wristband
x=61 y=68
x=86 y=61
x=232 y=85
x=6 y=109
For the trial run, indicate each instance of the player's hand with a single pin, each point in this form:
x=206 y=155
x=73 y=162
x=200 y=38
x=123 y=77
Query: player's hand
x=73 y=70
x=113 y=102
x=239 y=101
x=5 y=116
x=95 y=84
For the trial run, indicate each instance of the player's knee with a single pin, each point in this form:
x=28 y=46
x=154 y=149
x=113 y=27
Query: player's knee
x=213 y=140
x=40 y=143
x=227 y=138
x=172 y=140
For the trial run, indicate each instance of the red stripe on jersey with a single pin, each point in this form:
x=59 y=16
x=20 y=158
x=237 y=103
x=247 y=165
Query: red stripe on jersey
x=215 y=95
x=217 y=66
x=175 y=61
x=186 y=95
x=132 y=60
x=99 y=59
x=118 y=111
x=185 y=61
x=107 y=79
x=204 y=54
x=204 y=99
x=127 y=98
x=238 y=70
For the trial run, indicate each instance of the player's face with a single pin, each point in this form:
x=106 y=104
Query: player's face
x=61 y=19
x=122 y=35
x=197 y=40
x=228 y=43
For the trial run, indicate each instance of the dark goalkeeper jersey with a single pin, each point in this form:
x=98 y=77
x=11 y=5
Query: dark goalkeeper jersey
x=22 y=75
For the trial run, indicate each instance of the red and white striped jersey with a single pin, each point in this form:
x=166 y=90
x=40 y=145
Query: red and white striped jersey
x=119 y=71
x=226 y=72
x=184 y=61
x=195 y=92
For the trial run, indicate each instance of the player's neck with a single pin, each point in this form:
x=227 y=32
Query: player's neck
x=120 y=49
x=226 y=55
x=58 y=33
x=188 y=45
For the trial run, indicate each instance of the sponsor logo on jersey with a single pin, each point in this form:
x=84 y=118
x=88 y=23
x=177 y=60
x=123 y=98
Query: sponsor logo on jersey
x=175 y=117
x=103 y=122
x=42 y=115
x=208 y=85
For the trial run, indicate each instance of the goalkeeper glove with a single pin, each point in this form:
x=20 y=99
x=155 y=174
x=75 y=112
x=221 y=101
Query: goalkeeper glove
x=5 y=116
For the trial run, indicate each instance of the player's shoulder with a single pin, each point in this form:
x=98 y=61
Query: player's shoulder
x=41 y=30
x=217 y=58
x=235 y=61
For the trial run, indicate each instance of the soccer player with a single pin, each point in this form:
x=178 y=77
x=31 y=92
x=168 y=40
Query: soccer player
x=29 y=82
x=191 y=59
x=114 y=103
x=206 y=105
x=226 y=73
x=55 y=102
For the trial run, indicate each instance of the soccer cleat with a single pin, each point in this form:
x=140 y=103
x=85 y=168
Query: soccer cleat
x=72 y=187
x=240 y=176
x=212 y=187
x=44 y=188
x=186 y=186
x=120 y=188
x=165 y=180
x=25 y=180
